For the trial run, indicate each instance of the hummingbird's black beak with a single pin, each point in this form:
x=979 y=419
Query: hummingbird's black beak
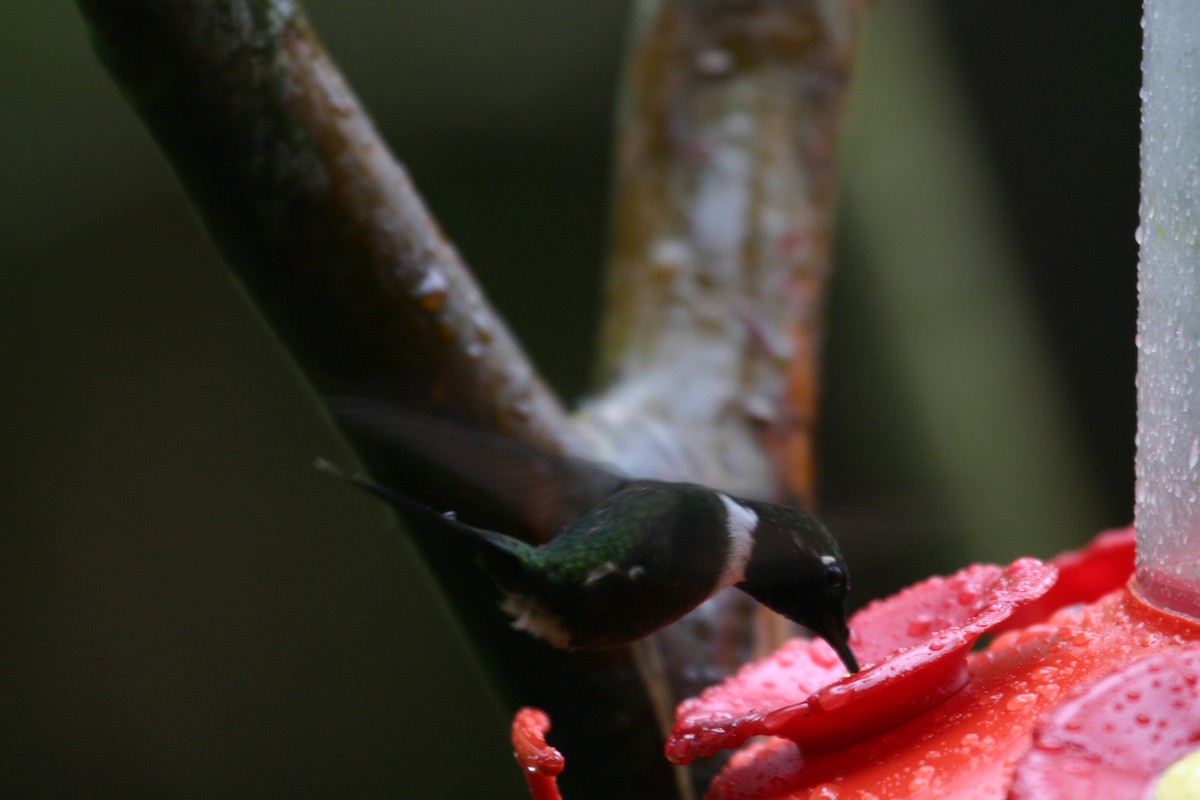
x=841 y=646
x=838 y=636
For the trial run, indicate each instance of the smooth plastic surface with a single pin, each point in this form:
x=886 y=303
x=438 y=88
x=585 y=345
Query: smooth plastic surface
x=1167 y=510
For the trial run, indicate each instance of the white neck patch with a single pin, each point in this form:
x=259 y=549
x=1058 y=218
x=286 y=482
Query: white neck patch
x=740 y=523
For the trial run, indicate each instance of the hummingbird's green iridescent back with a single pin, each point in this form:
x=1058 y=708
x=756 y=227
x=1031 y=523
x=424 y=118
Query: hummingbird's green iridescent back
x=636 y=562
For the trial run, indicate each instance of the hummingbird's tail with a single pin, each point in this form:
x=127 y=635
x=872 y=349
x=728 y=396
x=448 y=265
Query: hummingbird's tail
x=504 y=554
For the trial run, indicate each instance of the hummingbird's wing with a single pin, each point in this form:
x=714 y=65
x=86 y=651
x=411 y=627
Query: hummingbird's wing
x=547 y=490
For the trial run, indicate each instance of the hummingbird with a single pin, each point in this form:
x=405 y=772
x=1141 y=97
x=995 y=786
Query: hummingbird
x=643 y=556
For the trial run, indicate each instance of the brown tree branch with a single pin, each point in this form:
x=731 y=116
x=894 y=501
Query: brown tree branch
x=322 y=226
x=330 y=239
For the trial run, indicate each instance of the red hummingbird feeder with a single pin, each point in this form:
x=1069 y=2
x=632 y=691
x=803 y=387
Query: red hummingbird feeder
x=1087 y=690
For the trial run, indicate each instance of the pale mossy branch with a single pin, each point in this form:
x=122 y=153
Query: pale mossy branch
x=729 y=125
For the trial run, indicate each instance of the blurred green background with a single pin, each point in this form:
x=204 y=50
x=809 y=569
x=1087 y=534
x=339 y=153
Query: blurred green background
x=190 y=610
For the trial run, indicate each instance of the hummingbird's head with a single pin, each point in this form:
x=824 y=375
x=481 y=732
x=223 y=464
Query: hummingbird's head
x=796 y=570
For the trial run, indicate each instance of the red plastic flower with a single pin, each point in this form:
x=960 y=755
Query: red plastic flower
x=1111 y=741
x=965 y=747
x=914 y=646
x=540 y=762
x=1084 y=576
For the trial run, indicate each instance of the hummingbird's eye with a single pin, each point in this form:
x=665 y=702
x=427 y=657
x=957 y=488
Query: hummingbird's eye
x=835 y=577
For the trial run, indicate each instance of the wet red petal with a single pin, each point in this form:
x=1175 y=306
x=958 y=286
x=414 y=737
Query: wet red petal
x=914 y=644
x=966 y=747
x=760 y=770
x=1111 y=740
x=540 y=762
x=1084 y=576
